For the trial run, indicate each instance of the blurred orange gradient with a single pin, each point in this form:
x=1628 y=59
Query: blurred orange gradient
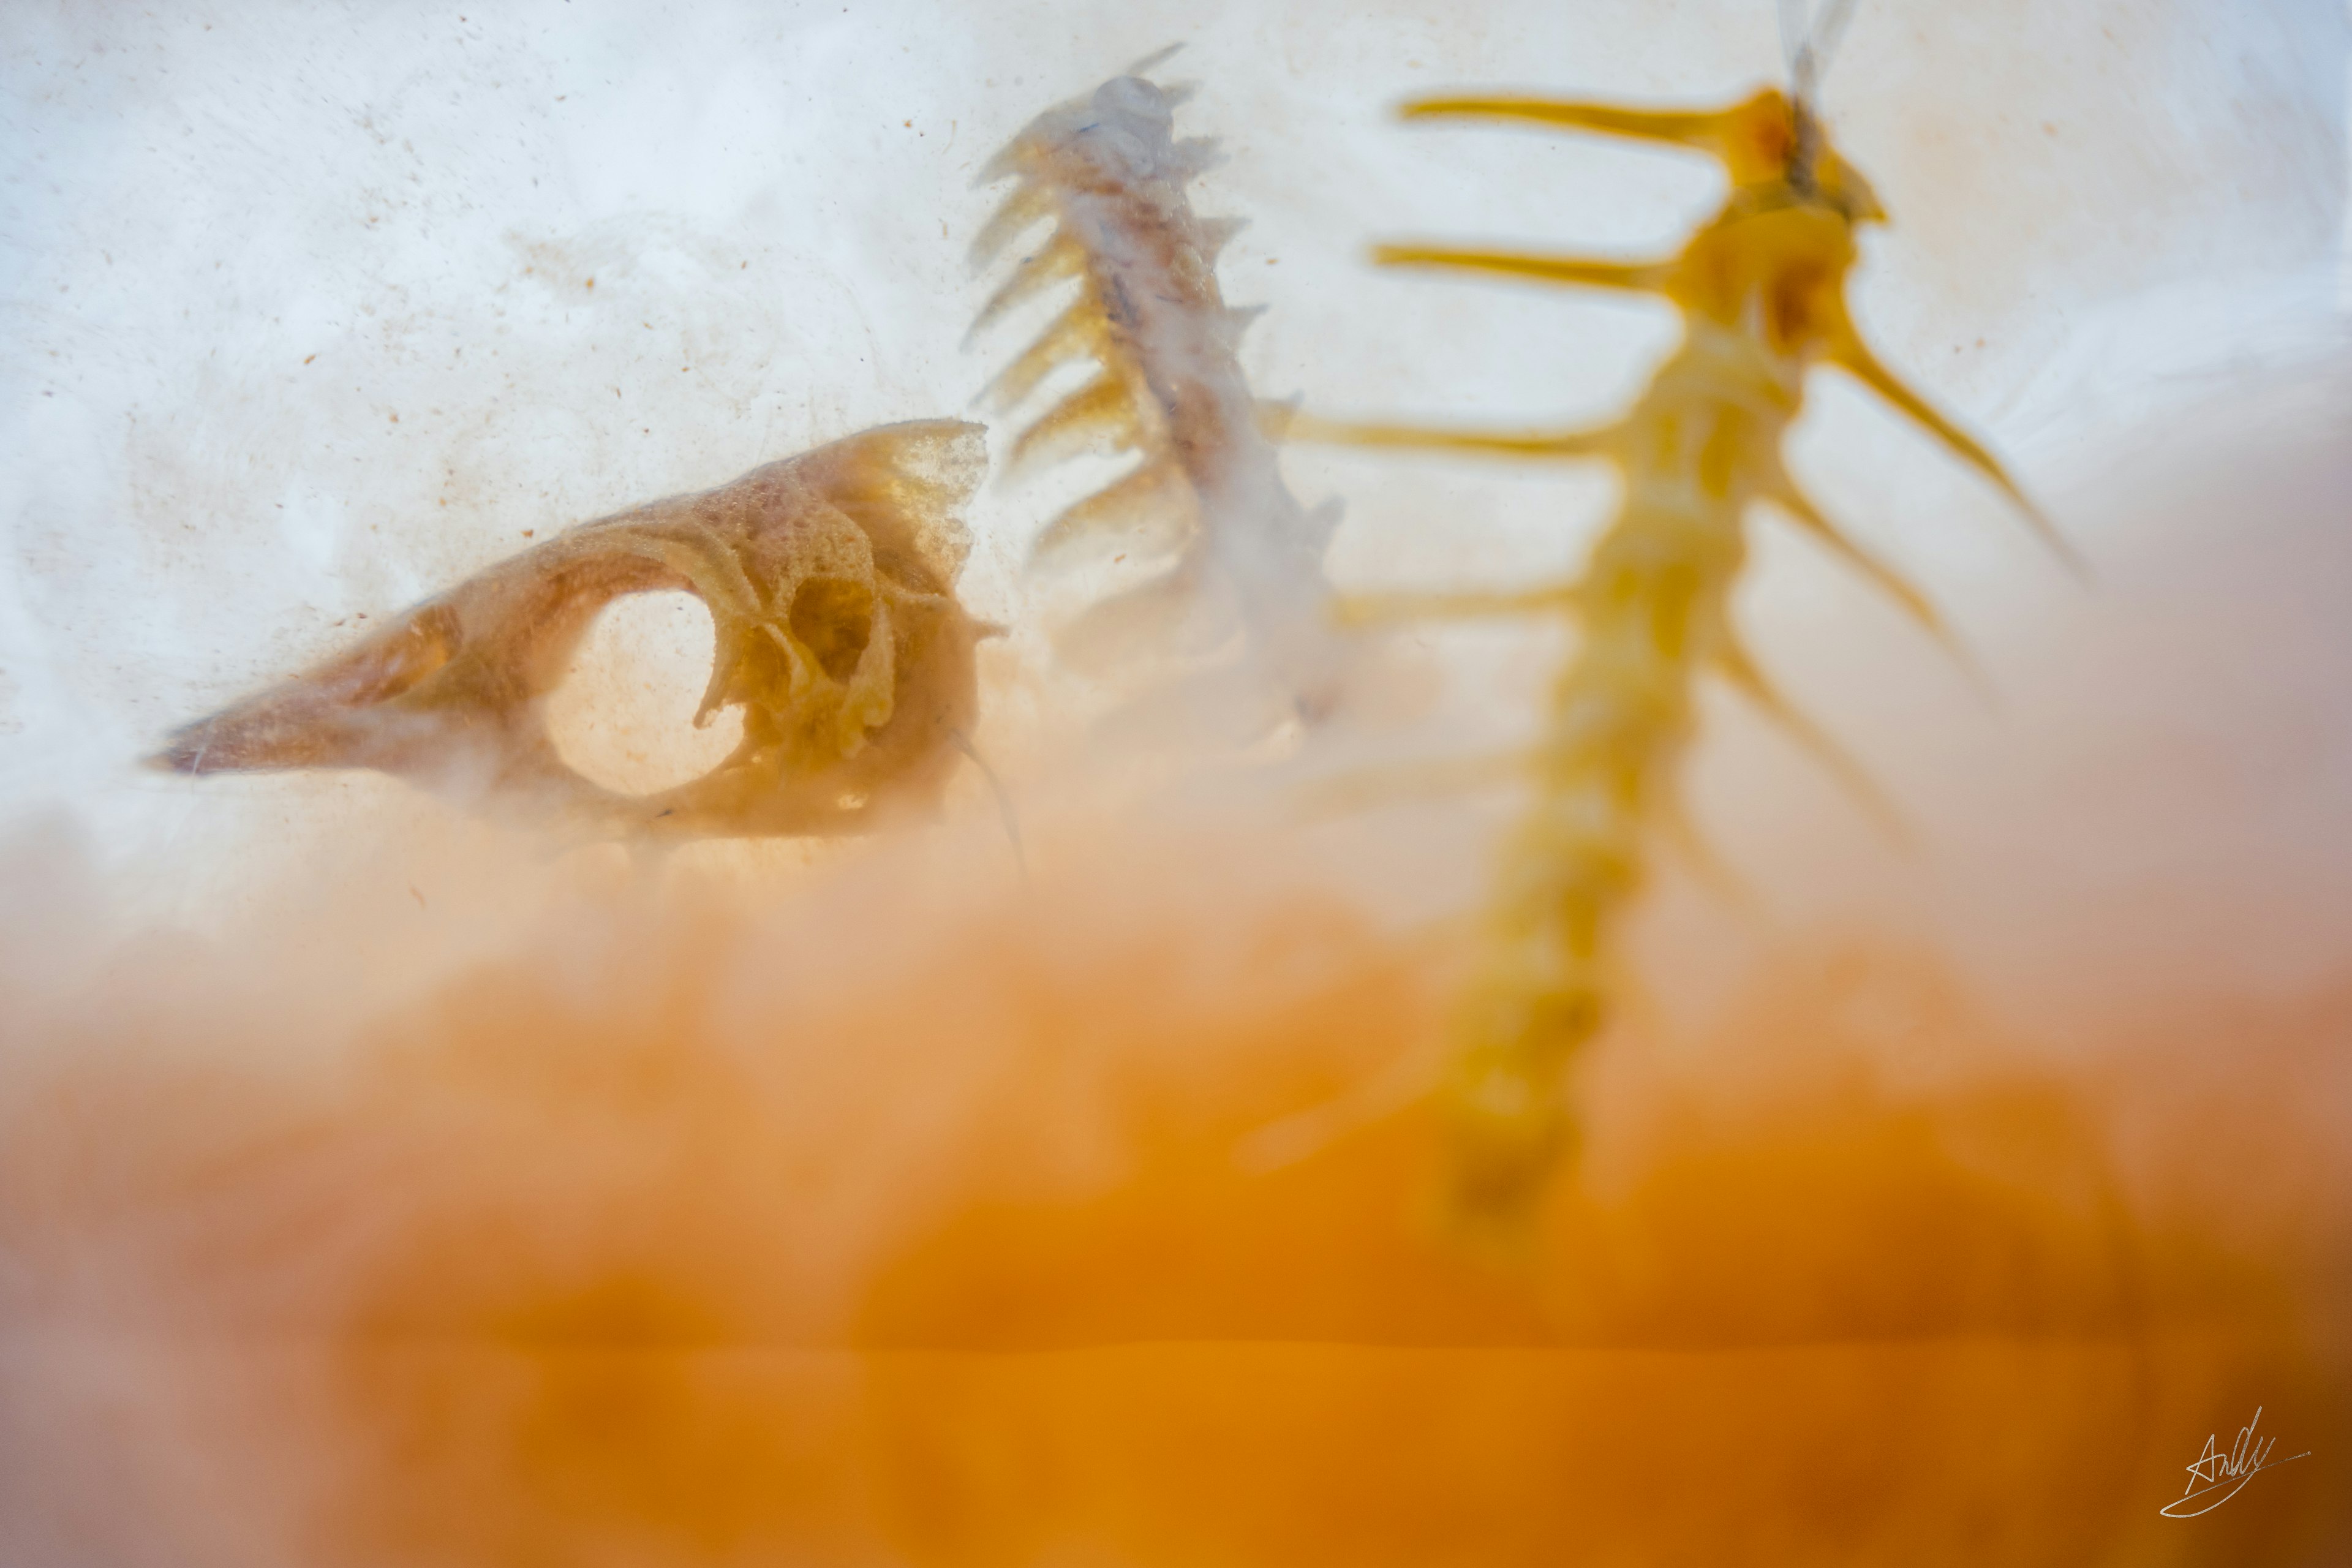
x=912 y=1215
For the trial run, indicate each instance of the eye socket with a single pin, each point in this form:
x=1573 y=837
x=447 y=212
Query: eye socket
x=623 y=716
x=833 y=617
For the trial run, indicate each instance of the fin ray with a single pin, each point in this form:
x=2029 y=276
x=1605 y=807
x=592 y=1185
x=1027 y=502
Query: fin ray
x=1680 y=127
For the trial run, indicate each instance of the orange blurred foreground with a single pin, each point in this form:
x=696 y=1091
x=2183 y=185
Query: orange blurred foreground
x=922 y=1219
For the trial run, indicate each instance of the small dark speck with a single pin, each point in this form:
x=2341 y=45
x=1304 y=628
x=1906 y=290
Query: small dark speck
x=412 y=888
x=395 y=419
x=529 y=531
x=2048 y=129
x=592 y=282
x=308 y=358
x=658 y=815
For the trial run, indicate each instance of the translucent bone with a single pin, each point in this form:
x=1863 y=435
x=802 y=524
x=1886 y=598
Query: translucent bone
x=1647 y=277
x=1882 y=576
x=1734 y=663
x=1109 y=174
x=829 y=578
x=1152 y=503
x=1753 y=138
x=1853 y=356
x=1100 y=416
x=1293 y=426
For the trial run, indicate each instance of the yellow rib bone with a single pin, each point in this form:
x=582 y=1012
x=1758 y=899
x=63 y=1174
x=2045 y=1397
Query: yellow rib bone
x=1754 y=138
x=1644 y=277
x=1732 y=662
x=1674 y=127
x=1802 y=512
x=1853 y=356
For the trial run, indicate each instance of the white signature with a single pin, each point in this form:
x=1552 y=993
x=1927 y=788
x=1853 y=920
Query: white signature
x=2216 y=1476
